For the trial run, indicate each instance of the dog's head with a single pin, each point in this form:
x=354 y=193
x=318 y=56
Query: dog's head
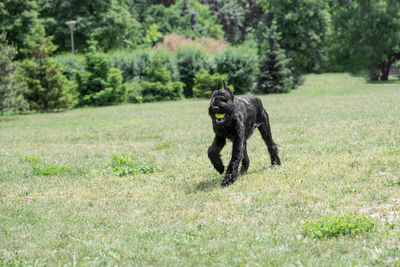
x=221 y=108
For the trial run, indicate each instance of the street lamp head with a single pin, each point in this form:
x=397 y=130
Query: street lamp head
x=71 y=24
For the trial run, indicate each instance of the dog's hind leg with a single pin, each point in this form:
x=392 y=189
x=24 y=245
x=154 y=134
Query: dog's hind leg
x=213 y=153
x=246 y=160
x=265 y=131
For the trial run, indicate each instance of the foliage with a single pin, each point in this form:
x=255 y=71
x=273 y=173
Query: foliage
x=198 y=22
x=123 y=164
x=275 y=75
x=107 y=21
x=48 y=88
x=17 y=18
x=99 y=83
x=303 y=26
x=132 y=64
x=158 y=91
x=134 y=92
x=366 y=36
x=205 y=83
x=71 y=63
x=152 y=35
x=11 y=90
x=329 y=227
x=241 y=64
x=190 y=61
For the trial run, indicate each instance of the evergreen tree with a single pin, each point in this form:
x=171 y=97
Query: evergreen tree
x=99 y=83
x=275 y=75
x=11 y=90
x=48 y=88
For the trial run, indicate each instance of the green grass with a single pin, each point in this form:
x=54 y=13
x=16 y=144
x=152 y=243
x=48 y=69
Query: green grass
x=339 y=140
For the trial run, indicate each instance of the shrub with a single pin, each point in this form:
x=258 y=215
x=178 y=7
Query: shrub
x=99 y=83
x=11 y=90
x=329 y=227
x=133 y=92
x=48 y=88
x=71 y=63
x=132 y=64
x=157 y=91
x=124 y=165
x=205 y=83
x=240 y=63
x=162 y=67
x=190 y=61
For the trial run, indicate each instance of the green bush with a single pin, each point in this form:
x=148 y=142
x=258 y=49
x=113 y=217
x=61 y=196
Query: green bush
x=205 y=83
x=48 y=88
x=11 y=90
x=190 y=61
x=71 y=64
x=134 y=92
x=132 y=64
x=329 y=227
x=99 y=83
x=240 y=63
x=157 y=91
x=162 y=67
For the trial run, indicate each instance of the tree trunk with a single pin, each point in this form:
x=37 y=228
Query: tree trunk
x=385 y=68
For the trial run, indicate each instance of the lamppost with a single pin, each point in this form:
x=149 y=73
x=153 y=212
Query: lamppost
x=71 y=24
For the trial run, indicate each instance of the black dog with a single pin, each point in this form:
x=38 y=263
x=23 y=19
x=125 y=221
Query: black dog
x=236 y=119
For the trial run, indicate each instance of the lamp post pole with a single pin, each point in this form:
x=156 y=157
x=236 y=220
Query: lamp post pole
x=71 y=24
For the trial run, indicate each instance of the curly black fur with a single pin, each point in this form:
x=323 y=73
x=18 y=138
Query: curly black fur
x=241 y=116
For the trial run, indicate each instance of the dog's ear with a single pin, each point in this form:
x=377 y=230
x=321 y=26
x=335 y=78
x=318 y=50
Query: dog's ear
x=219 y=85
x=229 y=90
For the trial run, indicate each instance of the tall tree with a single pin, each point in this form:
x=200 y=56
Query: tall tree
x=366 y=35
x=107 y=21
x=11 y=89
x=275 y=75
x=303 y=25
x=17 y=18
x=48 y=88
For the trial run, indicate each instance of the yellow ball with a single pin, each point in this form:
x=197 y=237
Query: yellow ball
x=219 y=116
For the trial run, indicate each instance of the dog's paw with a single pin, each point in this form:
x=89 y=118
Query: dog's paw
x=228 y=180
x=220 y=169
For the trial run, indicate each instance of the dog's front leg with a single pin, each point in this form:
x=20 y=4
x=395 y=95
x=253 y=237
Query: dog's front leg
x=232 y=171
x=213 y=153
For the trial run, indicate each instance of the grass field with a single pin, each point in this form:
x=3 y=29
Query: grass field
x=339 y=140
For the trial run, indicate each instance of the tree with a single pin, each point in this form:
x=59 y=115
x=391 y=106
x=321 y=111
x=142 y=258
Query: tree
x=11 y=90
x=17 y=18
x=107 y=21
x=366 y=35
x=275 y=75
x=303 y=25
x=100 y=83
x=48 y=88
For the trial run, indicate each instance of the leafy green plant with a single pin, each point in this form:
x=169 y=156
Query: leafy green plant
x=157 y=91
x=205 y=83
x=240 y=63
x=48 y=88
x=123 y=164
x=329 y=227
x=11 y=90
x=190 y=61
x=99 y=83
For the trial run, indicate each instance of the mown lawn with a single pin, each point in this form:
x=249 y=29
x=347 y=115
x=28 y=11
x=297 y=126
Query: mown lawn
x=339 y=140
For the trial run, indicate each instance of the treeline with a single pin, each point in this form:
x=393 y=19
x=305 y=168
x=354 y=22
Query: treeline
x=150 y=50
